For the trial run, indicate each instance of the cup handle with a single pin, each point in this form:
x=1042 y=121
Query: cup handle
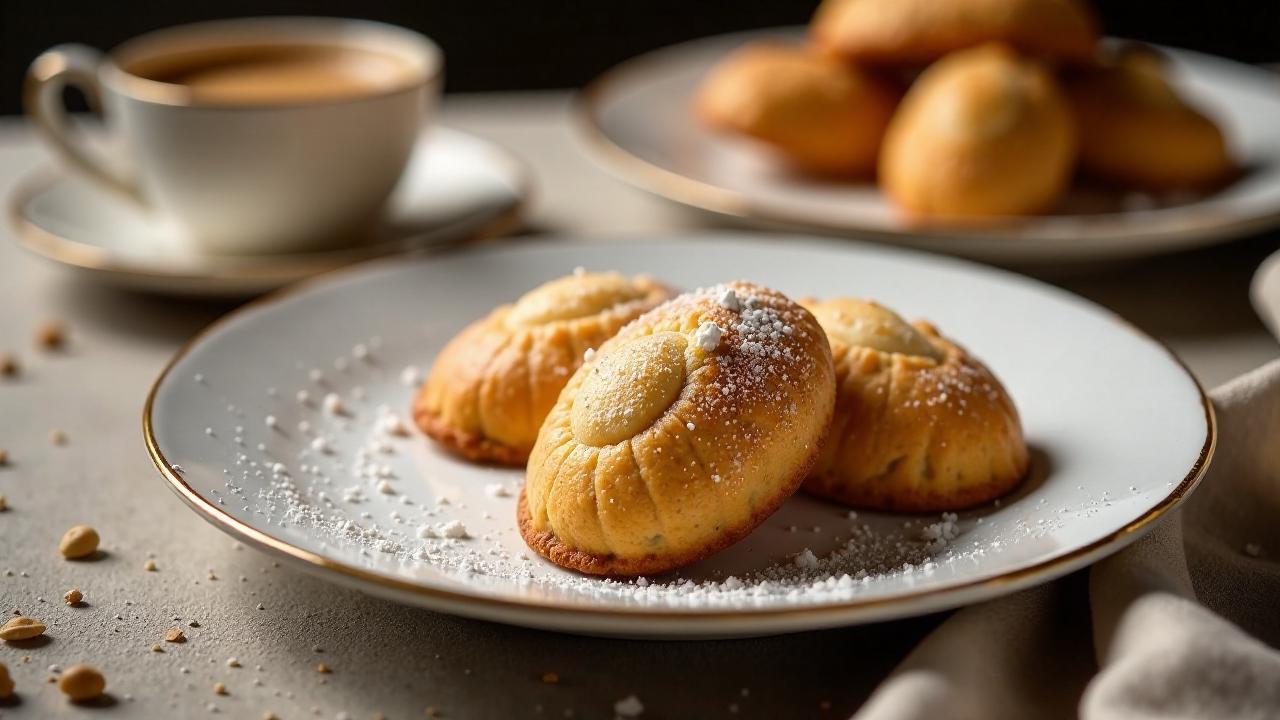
x=75 y=65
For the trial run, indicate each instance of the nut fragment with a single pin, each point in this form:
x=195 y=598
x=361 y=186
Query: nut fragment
x=51 y=335
x=79 y=542
x=175 y=635
x=82 y=682
x=73 y=596
x=6 y=683
x=21 y=628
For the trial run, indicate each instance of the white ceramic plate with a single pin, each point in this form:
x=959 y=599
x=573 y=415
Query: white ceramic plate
x=456 y=187
x=635 y=121
x=1120 y=433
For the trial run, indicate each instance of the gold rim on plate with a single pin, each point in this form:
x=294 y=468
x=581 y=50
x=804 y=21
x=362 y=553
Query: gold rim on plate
x=219 y=517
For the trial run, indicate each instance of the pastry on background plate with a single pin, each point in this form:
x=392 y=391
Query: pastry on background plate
x=492 y=385
x=681 y=435
x=816 y=112
x=1135 y=130
x=917 y=32
x=920 y=424
x=983 y=132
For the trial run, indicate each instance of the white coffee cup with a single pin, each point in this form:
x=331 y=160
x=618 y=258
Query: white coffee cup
x=249 y=174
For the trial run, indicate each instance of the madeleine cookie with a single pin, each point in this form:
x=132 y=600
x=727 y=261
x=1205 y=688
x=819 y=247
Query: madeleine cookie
x=681 y=435
x=816 y=112
x=920 y=425
x=917 y=32
x=1135 y=130
x=493 y=384
x=983 y=132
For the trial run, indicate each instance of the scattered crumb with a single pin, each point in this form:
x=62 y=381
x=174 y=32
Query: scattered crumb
x=1252 y=550
x=156 y=648
x=79 y=542
x=219 y=689
x=323 y=669
x=4 y=457
x=4 y=504
x=73 y=596
x=233 y=663
x=149 y=566
x=8 y=365
x=175 y=635
x=550 y=678
x=57 y=437
x=52 y=335
x=21 y=628
x=82 y=682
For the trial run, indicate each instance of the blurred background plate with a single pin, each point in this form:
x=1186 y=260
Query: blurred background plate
x=635 y=120
x=456 y=188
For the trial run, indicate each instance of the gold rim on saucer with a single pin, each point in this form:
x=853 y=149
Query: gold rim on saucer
x=245 y=273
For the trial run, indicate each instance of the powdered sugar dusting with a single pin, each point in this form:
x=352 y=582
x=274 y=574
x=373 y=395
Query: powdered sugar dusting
x=445 y=521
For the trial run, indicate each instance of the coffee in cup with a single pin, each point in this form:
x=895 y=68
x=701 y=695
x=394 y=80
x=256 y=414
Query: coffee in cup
x=254 y=135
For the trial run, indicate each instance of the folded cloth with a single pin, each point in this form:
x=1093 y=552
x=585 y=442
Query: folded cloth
x=1185 y=623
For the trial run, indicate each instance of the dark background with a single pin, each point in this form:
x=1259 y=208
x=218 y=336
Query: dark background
x=495 y=45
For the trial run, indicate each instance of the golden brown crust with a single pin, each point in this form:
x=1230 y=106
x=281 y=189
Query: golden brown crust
x=817 y=112
x=982 y=133
x=472 y=446
x=914 y=435
x=546 y=544
x=493 y=383
x=1135 y=130
x=917 y=32
x=689 y=473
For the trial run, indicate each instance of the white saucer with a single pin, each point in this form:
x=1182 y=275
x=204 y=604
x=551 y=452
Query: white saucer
x=456 y=187
x=1120 y=433
x=635 y=120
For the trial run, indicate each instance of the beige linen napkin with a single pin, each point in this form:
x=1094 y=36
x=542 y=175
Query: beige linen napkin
x=1185 y=623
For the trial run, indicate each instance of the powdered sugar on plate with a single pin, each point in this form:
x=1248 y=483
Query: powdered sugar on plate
x=356 y=477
